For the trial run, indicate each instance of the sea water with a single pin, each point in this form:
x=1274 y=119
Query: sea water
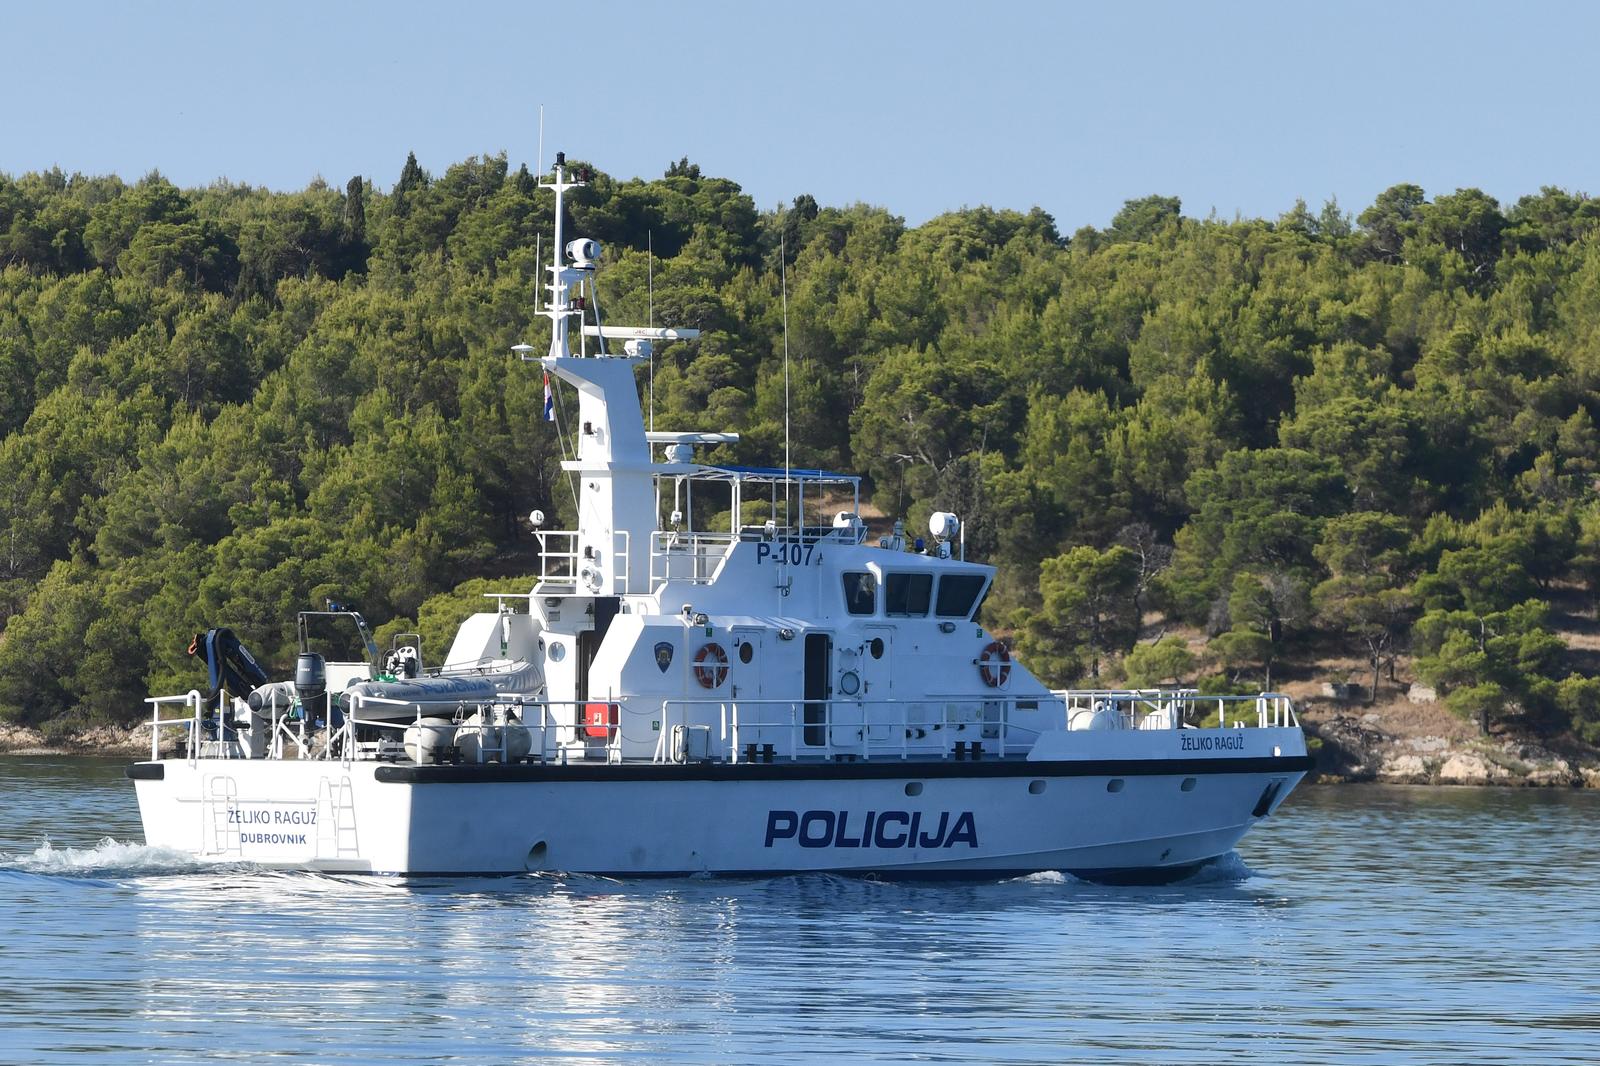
x=1360 y=924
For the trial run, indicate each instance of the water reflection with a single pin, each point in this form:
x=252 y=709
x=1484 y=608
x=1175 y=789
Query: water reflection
x=1374 y=925
x=583 y=966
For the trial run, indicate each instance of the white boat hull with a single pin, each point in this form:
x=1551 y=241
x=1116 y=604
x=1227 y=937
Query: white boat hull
x=654 y=662
x=1116 y=819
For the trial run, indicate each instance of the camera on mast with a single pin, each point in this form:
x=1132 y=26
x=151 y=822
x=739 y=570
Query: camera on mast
x=584 y=253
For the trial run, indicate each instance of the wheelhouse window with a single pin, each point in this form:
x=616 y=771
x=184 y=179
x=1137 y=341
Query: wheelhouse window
x=907 y=595
x=860 y=592
x=957 y=593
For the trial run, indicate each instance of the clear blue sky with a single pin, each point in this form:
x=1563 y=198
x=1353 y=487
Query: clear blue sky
x=920 y=107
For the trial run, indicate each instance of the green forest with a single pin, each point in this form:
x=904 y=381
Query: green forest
x=1369 y=431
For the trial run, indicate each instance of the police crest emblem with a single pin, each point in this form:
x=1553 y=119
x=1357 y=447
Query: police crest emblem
x=663 y=655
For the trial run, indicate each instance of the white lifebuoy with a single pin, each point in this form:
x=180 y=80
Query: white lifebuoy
x=994 y=664
x=710 y=665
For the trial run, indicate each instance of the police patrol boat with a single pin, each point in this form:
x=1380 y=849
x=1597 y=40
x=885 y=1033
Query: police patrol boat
x=762 y=691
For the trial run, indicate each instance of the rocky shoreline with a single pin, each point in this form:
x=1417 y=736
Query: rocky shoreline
x=98 y=740
x=1357 y=746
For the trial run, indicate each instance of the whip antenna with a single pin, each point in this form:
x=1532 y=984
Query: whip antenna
x=783 y=274
x=650 y=288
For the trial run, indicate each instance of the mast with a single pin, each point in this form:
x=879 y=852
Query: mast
x=558 y=309
x=616 y=509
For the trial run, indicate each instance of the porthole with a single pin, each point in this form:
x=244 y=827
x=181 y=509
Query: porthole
x=1035 y=788
x=876 y=647
x=1115 y=784
x=913 y=788
x=557 y=652
x=747 y=651
x=1188 y=785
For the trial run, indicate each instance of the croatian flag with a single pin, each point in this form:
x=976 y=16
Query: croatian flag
x=549 y=400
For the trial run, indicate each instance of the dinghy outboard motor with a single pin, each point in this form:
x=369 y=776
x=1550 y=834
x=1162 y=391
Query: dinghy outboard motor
x=310 y=678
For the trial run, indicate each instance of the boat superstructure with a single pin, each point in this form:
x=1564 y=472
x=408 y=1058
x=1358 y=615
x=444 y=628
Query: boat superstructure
x=718 y=670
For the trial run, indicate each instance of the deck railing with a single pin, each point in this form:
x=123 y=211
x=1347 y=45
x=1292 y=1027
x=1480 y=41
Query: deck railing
x=1182 y=708
x=561 y=561
x=194 y=703
x=550 y=737
x=965 y=726
x=959 y=725
x=692 y=557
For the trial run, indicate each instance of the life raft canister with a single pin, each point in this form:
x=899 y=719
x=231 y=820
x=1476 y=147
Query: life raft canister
x=710 y=665
x=994 y=664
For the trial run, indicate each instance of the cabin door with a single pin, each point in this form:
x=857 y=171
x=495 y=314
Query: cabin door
x=605 y=609
x=851 y=707
x=819 y=658
x=878 y=695
x=756 y=719
x=746 y=665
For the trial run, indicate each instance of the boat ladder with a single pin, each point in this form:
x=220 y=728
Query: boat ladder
x=336 y=819
x=219 y=827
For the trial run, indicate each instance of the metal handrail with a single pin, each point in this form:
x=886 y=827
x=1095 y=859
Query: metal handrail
x=621 y=559
x=734 y=720
x=700 y=549
x=991 y=713
x=548 y=555
x=546 y=728
x=342 y=738
x=196 y=704
x=1269 y=710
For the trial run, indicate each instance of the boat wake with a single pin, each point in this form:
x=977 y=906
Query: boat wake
x=1226 y=869
x=109 y=858
x=1048 y=877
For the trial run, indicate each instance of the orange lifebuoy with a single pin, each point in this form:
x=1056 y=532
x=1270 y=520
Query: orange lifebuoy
x=994 y=664
x=710 y=665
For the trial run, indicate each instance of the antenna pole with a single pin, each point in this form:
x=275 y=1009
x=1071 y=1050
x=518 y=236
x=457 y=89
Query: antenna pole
x=650 y=287
x=540 y=160
x=783 y=274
